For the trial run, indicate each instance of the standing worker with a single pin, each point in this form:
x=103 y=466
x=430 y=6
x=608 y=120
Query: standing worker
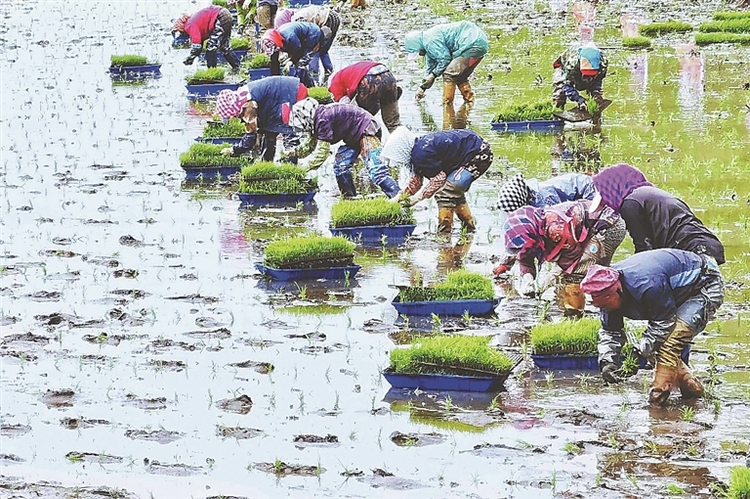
x=577 y=69
x=452 y=50
x=676 y=291
x=518 y=191
x=371 y=86
x=451 y=159
x=214 y=24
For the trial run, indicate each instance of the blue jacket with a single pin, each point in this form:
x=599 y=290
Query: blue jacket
x=568 y=187
x=444 y=151
x=271 y=94
x=445 y=42
x=300 y=39
x=655 y=283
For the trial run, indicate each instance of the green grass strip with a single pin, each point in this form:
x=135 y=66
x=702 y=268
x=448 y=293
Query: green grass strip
x=290 y=253
x=362 y=212
x=711 y=38
x=267 y=170
x=206 y=75
x=567 y=336
x=534 y=111
x=729 y=26
x=739 y=483
x=655 y=29
x=729 y=15
x=636 y=42
x=233 y=128
x=461 y=284
x=203 y=155
x=439 y=354
x=128 y=60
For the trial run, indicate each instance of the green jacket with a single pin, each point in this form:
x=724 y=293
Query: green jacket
x=446 y=42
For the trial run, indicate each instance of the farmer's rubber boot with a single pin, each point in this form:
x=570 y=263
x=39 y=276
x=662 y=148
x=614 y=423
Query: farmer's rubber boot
x=445 y=220
x=389 y=187
x=467 y=93
x=464 y=214
x=668 y=363
x=345 y=182
x=665 y=378
x=690 y=388
x=449 y=113
x=211 y=57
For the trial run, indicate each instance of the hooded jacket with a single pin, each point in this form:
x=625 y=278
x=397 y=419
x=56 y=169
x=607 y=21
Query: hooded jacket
x=444 y=151
x=445 y=42
x=346 y=80
x=300 y=39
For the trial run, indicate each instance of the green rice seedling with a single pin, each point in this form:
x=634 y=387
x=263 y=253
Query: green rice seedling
x=270 y=178
x=239 y=44
x=203 y=155
x=674 y=490
x=728 y=15
x=541 y=110
x=656 y=29
x=460 y=284
x=741 y=25
x=309 y=252
x=364 y=212
x=739 y=483
x=259 y=61
x=636 y=42
x=448 y=354
x=569 y=336
x=233 y=128
x=210 y=75
x=320 y=94
x=128 y=60
x=703 y=39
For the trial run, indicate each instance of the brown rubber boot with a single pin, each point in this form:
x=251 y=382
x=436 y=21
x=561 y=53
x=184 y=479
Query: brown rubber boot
x=668 y=363
x=690 y=387
x=445 y=220
x=449 y=113
x=665 y=378
x=464 y=214
x=467 y=93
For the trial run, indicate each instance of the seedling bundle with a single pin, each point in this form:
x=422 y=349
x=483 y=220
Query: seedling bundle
x=270 y=178
x=367 y=212
x=128 y=60
x=259 y=61
x=206 y=76
x=132 y=67
x=636 y=42
x=233 y=128
x=711 y=38
x=309 y=252
x=739 y=483
x=655 y=29
x=209 y=155
x=320 y=94
x=461 y=284
x=532 y=111
x=736 y=25
x=569 y=336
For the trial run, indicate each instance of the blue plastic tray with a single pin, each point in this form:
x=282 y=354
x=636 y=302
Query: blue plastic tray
x=257 y=74
x=135 y=71
x=274 y=199
x=232 y=141
x=240 y=53
x=562 y=362
x=528 y=126
x=445 y=382
x=203 y=92
x=453 y=308
x=373 y=234
x=299 y=274
x=209 y=172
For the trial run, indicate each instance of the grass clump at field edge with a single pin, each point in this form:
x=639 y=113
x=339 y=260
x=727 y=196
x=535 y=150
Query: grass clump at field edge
x=739 y=483
x=209 y=75
x=270 y=178
x=541 y=110
x=203 y=155
x=461 y=284
x=569 y=336
x=364 y=212
x=636 y=42
x=309 y=252
x=233 y=128
x=655 y=29
x=128 y=60
x=445 y=354
x=712 y=38
x=729 y=26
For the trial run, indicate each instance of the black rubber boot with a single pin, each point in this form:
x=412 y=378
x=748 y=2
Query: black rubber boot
x=211 y=58
x=389 y=187
x=346 y=185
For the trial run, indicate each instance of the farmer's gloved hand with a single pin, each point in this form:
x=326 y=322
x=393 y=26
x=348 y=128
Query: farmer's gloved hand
x=411 y=200
x=527 y=287
x=400 y=196
x=611 y=373
x=582 y=105
x=420 y=94
x=227 y=151
x=188 y=61
x=427 y=83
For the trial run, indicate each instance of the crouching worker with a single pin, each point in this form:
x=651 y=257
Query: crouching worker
x=518 y=191
x=677 y=291
x=360 y=134
x=579 y=69
x=566 y=234
x=214 y=24
x=451 y=159
x=262 y=105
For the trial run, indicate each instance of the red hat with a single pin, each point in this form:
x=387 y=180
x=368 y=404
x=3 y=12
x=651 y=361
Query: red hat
x=601 y=281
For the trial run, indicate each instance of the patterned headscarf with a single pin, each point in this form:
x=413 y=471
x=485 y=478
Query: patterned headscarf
x=616 y=183
x=272 y=42
x=513 y=194
x=398 y=147
x=229 y=102
x=600 y=281
x=303 y=115
x=179 y=23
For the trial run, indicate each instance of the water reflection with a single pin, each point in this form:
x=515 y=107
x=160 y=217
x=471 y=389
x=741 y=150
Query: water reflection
x=577 y=150
x=638 y=66
x=690 y=88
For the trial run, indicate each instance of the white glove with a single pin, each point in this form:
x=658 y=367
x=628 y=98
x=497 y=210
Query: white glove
x=411 y=200
x=401 y=196
x=527 y=285
x=227 y=151
x=247 y=4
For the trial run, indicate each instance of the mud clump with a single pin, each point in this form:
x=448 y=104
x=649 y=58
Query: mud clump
x=159 y=436
x=194 y=298
x=92 y=457
x=126 y=273
x=170 y=365
x=165 y=343
x=416 y=439
x=221 y=333
x=315 y=440
x=259 y=367
x=59 y=398
x=147 y=404
x=44 y=296
x=61 y=319
x=11 y=459
x=177 y=469
x=29 y=338
x=14 y=430
x=239 y=405
x=82 y=423
x=237 y=432
x=130 y=241
x=280 y=468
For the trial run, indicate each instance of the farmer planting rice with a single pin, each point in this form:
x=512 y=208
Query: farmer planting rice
x=212 y=24
x=518 y=192
x=301 y=41
x=580 y=68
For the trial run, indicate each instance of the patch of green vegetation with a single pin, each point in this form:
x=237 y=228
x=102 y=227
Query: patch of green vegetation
x=269 y=178
x=541 y=110
x=739 y=483
x=569 y=336
x=674 y=490
x=233 y=128
x=656 y=29
x=259 y=61
x=220 y=3
x=302 y=252
x=202 y=155
x=731 y=14
x=320 y=94
x=460 y=284
x=636 y=42
x=741 y=25
x=316 y=309
x=209 y=75
x=446 y=354
x=364 y=212
x=711 y=38
x=239 y=44
x=128 y=60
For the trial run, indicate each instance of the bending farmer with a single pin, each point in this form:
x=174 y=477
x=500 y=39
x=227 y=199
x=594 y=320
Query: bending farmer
x=214 y=24
x=577 y=69
x=518 y=191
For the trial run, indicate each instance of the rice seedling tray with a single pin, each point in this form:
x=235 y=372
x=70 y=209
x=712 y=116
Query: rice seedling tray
x=257 y=74
x=248 y=199
x=240 y=53
x=301 y=274
x=449 y=308
x=374 y=234
x=232 y=141
x=203 y=173
x=566 y=362
x=135 y=72
x=462 y=380
x=528 y=126
x=208 y=90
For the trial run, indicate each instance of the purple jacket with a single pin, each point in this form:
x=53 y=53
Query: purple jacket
x=343 y=122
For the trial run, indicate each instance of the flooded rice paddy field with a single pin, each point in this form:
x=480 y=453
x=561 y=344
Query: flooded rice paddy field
x=142 y=356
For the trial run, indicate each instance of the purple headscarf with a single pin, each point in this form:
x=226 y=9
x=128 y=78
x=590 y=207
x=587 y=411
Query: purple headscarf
x=617 y=182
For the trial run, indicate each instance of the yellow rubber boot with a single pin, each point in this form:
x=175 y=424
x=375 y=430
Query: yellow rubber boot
x=449 y=113
x=669 y=364
x=464 y=214
x=467 y=93
x=690 y=387
x=445 y=220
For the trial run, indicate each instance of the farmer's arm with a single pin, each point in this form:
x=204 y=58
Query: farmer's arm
x=638 y=224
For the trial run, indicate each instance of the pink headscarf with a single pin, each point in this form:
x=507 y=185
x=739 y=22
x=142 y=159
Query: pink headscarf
x=600 y=281
x=272 y=42
x=179 y=23
x=229 y=103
